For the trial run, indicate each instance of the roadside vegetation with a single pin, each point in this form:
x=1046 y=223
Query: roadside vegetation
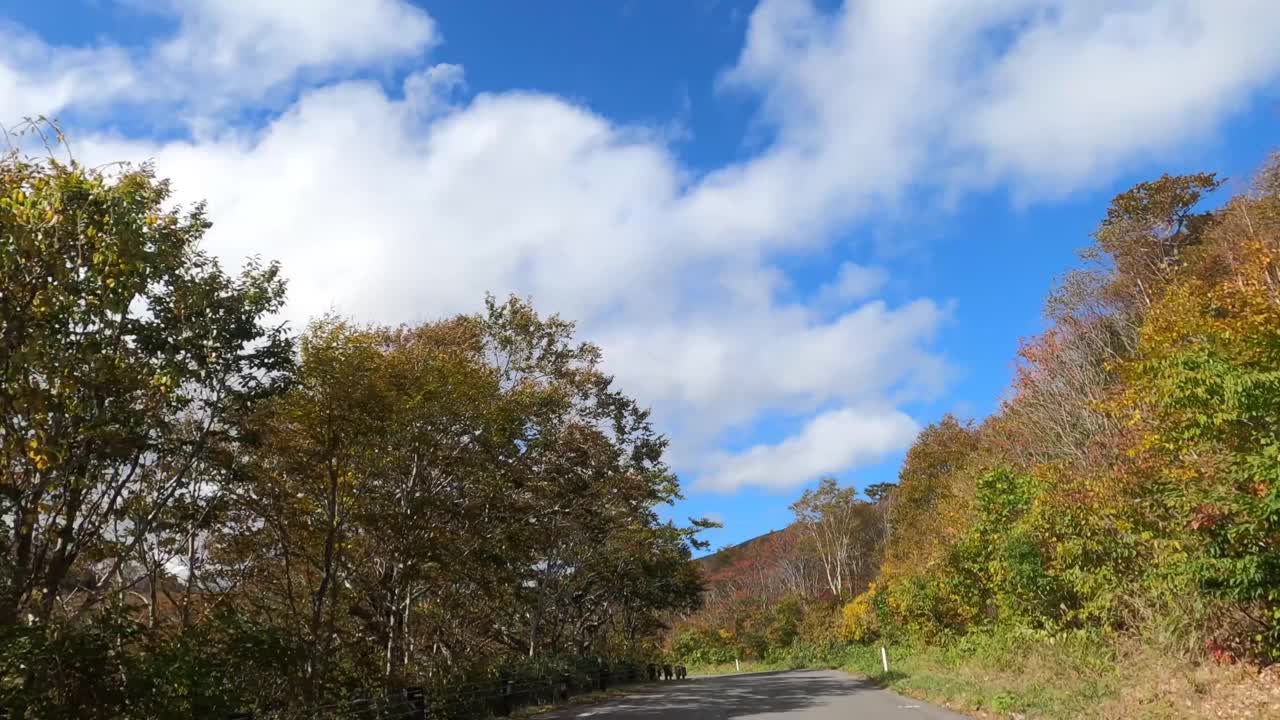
x=202 y=512
x=1108 y=541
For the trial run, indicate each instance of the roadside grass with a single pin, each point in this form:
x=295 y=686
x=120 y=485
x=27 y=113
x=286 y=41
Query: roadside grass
x=993 y=674
x=999 y=675
x=748 y=666
x=1009 y=675
x=981 y=675
x=1018 y=675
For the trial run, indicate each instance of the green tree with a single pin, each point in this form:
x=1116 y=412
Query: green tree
x=128 y=362
x=129 y=357
x=432 y=499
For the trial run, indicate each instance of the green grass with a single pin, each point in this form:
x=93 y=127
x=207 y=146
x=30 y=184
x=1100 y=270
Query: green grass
x=997 y=673
x=730 y=668
x=1001 y=674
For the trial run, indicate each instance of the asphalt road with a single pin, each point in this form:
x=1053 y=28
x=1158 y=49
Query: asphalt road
x=799 y=695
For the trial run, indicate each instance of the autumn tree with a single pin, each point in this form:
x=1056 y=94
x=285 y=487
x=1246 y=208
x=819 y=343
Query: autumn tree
x=1146 y=236
x=1065 y=375
x=935 y=487
x=197 y=519
x=1204 y=393
x=129 y=358
x=1129 y=473
x=425 y=499
x=840 y=529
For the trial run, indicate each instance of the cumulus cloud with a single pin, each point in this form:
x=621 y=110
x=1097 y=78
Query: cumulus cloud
x=529 y=194
x=245 y=49
x=1088 y=86
x=829 y=443
x=853 y=282
x=221 y=56
x=37 y=79
x=1049 y=95
x=717 y=372
x=406 y=205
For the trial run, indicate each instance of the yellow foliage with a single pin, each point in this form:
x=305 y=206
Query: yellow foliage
x=38 y=458
x=858 y=620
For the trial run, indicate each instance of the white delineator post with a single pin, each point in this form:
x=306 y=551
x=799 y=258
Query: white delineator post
x=737 y=664
x=884 y=659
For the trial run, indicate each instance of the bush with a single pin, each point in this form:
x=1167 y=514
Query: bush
x=109 y=666
x=860 y=619
x=703 y=646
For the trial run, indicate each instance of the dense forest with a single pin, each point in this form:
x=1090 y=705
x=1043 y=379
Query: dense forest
x=1126 y=490
x=203 y=513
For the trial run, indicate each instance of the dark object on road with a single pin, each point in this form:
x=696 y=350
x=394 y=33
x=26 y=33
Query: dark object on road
x=681 y=672
x=653 y=672
x=666 y=671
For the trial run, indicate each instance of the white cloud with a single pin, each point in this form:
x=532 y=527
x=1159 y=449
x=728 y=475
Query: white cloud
x=36 y=79
x=853 y=282
x=1051 y=95
x=1092 y=85
x=829 y=443
x=393 y=220
x=221 y=55
x=713 y=371
x=431 y=92
x=245 y=49
x=406 y=209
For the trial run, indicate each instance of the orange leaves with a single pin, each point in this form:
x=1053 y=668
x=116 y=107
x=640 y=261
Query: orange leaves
x=1205 y=517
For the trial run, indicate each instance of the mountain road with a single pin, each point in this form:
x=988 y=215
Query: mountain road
x=796 y=695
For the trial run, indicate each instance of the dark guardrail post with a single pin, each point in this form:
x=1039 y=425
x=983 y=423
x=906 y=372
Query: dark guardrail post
x=504 y=697
x=360 y=707
x=417 y=699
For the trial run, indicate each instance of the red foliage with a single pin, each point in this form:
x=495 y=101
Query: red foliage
x=1220 y=654
x=1206 y=516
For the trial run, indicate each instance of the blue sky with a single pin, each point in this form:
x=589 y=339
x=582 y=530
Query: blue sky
x=799 y=230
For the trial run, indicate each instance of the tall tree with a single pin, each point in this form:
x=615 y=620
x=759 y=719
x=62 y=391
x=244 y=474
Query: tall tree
x=834 y=521
x=934 y=489
x=127 y=356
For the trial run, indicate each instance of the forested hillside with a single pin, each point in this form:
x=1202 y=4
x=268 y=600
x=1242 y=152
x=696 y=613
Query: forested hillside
x=1124 y=499
x=203 y=513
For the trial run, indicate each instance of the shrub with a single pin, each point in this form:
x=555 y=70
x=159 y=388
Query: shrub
x=859 y=619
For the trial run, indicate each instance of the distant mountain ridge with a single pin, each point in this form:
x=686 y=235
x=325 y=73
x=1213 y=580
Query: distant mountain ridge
x=728 y=554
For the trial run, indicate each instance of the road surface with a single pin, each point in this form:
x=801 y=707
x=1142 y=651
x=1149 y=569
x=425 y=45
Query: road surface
x=799 y=695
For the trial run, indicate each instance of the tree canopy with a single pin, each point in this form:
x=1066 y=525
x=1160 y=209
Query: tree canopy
x=203 y=513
